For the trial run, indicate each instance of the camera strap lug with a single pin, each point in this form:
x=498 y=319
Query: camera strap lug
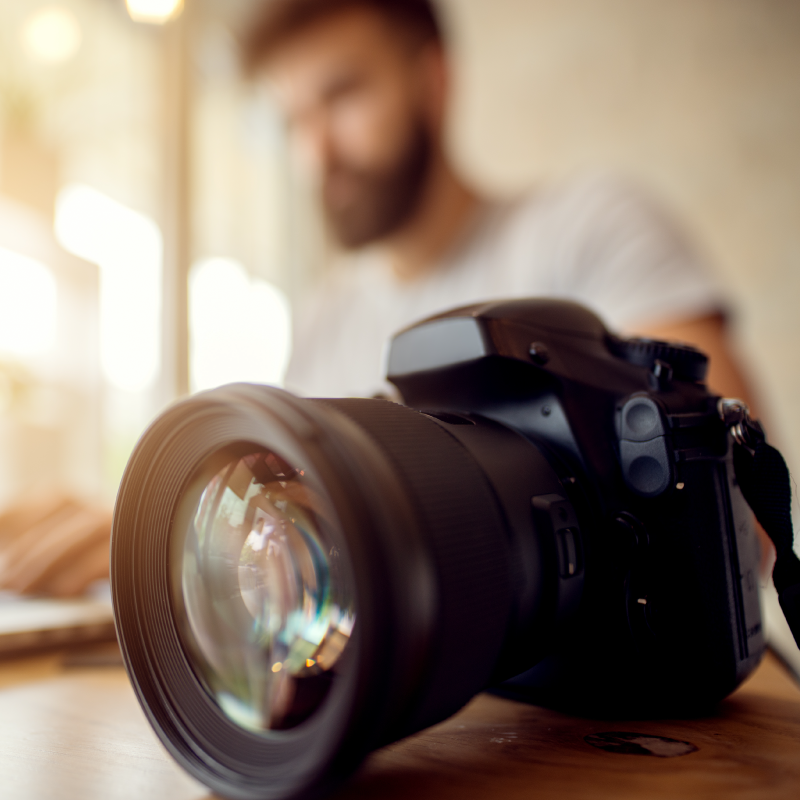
x=745 y=430
x=763 y=477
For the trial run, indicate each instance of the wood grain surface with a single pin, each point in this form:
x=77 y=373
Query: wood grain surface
x=71 y=728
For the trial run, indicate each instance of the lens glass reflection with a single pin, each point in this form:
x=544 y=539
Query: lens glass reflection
x=268 y=603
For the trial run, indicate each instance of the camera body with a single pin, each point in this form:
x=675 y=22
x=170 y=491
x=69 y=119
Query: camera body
x=656 y=592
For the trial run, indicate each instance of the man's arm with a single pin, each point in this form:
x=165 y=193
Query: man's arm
x=53 y=544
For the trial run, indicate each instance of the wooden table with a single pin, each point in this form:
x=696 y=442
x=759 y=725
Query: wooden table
x=73 y=731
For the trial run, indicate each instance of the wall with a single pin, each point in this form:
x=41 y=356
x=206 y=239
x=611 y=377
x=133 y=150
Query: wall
x=699 y=100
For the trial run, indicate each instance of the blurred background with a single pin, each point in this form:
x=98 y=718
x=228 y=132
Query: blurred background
x=154 y=236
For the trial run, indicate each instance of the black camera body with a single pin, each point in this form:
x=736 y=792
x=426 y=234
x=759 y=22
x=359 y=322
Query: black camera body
x=657 y=556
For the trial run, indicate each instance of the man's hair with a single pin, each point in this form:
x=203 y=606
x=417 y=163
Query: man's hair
x=278 y=21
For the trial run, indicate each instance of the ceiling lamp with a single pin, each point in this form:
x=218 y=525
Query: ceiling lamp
x=51 y=35
x=154 y=12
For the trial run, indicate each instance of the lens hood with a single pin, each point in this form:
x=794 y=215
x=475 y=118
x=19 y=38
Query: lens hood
x=377 y=531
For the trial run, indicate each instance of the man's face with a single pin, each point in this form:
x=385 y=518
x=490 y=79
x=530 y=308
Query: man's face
x=363 y=115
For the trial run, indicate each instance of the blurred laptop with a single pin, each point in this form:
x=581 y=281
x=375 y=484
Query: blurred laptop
x=38 y=623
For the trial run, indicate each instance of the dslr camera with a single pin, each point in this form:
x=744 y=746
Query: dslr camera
x=552 y=513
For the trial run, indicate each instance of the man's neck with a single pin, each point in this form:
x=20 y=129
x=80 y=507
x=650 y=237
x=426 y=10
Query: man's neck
x=444 y=211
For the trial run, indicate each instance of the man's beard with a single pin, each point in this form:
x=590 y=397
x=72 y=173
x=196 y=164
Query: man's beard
x=376 y=203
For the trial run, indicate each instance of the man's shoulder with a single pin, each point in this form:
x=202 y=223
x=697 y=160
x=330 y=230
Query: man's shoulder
x=592 y=213
x=574 y=197
x=552 y=217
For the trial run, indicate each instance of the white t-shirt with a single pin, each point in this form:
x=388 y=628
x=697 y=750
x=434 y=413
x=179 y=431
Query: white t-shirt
x=596 y=241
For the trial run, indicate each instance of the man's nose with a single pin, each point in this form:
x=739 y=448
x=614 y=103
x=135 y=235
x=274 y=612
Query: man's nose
x=316 y=145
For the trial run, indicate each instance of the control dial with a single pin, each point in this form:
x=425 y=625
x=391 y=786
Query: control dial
x=687 y=362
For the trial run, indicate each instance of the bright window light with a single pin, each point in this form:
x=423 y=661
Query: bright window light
x=28 y=306
x=155 y=12
x=51 y=35
x=240 y=326
x=127 y=246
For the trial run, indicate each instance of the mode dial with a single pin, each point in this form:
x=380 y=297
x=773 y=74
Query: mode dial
x=687 y=362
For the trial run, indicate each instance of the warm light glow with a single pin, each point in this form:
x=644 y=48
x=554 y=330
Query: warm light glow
x=155 y=12
x=240 y=326
x=52 y=35
x=27 y=306
x=127 y=246
x=277 y=666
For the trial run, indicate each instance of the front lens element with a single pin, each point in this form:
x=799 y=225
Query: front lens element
x=268 y=603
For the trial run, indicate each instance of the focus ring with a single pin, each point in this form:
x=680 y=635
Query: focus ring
x=465 y=529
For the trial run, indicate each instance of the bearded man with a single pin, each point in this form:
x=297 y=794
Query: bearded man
x=364 y=86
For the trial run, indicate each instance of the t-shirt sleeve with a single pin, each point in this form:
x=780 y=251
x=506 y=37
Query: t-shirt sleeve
x=614 y=250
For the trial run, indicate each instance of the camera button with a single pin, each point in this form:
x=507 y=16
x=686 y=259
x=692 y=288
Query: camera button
x=640 y=420
x=644 y=451
x=646 y=466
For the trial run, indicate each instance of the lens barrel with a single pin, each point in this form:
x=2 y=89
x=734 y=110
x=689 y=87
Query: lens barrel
x=400 y=528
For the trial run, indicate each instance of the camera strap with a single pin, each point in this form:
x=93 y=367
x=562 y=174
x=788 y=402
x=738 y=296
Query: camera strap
x=763 y=477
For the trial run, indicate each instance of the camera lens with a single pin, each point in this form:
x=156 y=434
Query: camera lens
x=268 y=607
x=297 y=582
